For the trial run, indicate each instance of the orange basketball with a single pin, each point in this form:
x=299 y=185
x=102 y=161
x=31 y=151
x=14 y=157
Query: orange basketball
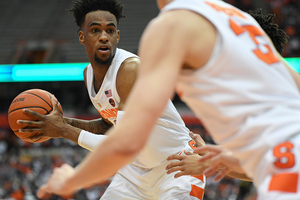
x=35 y=99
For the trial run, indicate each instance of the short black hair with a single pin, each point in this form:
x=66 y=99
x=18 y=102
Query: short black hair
x=277 y=35
x=82 y=7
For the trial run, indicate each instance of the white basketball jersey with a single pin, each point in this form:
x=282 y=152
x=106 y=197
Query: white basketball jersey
x=107 y=100
x=244 y=95
x=170 y=134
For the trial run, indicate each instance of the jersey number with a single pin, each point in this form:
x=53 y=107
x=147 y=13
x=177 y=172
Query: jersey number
x=253 y=31
x=284 y=157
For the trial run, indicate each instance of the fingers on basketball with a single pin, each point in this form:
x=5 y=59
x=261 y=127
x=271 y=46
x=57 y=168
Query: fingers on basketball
x=37 y=100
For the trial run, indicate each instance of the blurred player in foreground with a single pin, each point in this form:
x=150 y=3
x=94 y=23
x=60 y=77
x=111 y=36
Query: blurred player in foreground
x=228 y=72
x=109 y=78
x=219 y=159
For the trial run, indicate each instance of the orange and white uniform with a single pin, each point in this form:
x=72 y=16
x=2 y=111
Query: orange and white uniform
x=146 y=177
x=247 y=99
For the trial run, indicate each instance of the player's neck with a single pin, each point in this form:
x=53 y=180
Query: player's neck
x=99 y=74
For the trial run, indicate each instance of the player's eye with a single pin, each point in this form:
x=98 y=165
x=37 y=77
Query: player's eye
x=110 y=31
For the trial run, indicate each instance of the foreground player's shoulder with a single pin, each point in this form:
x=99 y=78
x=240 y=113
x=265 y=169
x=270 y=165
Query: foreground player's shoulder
x=178 y=22
x=179 y=35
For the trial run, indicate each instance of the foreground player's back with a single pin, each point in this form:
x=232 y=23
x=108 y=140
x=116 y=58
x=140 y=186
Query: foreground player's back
x=244 y=84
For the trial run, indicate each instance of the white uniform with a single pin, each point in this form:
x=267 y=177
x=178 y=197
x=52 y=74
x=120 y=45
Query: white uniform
x=246 y=99
x=146 y=177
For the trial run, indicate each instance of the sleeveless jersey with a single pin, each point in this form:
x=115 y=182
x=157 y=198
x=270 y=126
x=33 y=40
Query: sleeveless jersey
x=169 y=136
x=244 y=95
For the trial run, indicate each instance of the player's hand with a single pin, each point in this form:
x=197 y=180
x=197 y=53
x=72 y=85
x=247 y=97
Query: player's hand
x=186 y=165
x=220 y=160
x=197 y=138
x=51 y=125
x=57 y=183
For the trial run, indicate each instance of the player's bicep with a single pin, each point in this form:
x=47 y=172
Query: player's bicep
x=126 y=78
x=84 y=75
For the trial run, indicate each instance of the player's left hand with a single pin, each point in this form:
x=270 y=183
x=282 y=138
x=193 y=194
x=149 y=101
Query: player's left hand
x=221 y=161
x=186 y=165
x=57 y=183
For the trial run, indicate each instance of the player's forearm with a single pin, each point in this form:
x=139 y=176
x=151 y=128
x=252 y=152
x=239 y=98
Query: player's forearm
x=240 y=176
x=97 y=126
x=112 y=152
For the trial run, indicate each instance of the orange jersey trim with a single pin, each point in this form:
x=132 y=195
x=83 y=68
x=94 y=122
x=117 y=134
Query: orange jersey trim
x=109 y=113
x=197 y=192
x=228 y=11
x=286 y=182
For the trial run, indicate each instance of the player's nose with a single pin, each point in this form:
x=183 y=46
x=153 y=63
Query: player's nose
x=103 y=37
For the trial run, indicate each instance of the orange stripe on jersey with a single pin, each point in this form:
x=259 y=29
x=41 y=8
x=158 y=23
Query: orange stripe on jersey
x=109 y=113
x=228 y=11
x=197 y=192
x=200 y=177
x=286 y=182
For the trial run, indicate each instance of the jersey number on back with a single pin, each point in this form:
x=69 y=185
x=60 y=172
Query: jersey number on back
x=284 y=155
x=253 y=31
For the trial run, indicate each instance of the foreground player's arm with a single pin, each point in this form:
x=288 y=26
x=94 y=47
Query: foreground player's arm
x=162 y=54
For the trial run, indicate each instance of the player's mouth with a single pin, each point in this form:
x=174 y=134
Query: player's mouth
x=103 y=49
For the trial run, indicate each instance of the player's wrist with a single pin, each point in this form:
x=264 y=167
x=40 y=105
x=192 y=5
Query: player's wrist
x=71 y=133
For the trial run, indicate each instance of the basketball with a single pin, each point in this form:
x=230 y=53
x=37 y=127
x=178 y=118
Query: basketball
x=37 y=100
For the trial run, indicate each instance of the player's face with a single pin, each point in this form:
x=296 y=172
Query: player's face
x=100 y=36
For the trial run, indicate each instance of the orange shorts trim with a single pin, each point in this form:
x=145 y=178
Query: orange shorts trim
x=197 y=192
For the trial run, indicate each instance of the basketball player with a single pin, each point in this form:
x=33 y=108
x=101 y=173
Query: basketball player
x=228 y=72
x=221 y=159
x=109 y=78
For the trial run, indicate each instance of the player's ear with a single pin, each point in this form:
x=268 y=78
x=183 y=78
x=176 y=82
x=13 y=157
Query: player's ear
x=81 y=37
x=118 y=37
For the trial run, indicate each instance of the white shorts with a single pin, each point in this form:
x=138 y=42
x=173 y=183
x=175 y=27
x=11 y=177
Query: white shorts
x=132 y=182
x=280 y=169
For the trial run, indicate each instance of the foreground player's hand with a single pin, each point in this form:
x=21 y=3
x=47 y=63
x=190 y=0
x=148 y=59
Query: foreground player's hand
x=186 y=165
x=221 y=161
x=57 y=183
x=51 y=125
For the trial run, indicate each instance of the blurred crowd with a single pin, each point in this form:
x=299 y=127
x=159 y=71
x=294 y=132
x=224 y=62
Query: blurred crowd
x=287 y=16
x=25 y=166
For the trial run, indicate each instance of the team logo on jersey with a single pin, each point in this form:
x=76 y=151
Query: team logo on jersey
x=112 y=102
x=192 y=144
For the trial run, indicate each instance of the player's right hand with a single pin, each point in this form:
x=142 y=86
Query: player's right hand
x=57 y=183
x=51 y=125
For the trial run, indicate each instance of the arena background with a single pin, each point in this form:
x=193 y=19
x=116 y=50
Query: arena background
x=42 y=31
